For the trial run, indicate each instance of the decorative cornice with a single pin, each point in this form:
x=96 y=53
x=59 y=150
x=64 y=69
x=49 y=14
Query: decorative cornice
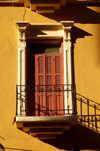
x=62 y=25
x=28 y=30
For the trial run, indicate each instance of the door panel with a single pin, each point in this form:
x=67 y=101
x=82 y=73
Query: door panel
x=58 y=81
x=39 y=84
x=48 y=97
x=49 y=83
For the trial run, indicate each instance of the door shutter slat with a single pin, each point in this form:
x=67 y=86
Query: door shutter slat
x=48 y=64
x=40 y=80
x=40 y=64
x=49 y=80
x=58 y=79
x=57 y=64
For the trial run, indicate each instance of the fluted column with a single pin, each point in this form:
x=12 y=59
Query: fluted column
x=67 y=51
x=21 y=67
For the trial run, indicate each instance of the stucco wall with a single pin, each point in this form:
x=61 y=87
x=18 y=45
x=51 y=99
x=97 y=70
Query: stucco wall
x=86 y=57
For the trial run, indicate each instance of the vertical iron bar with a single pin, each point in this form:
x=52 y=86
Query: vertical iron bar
x=59 y=112
x=81 y=107
x=20 y=93
x=68 y=109
x=51 y=94
x=92 y=122
x=46 y=87
x=54 y=103
x=56 y=92
x=88 y=111
x=48 y=94
x=63 y=89
x=38 y=89
x=42 y=101
x=95 y=117
x=84 y=120
x=75 y=105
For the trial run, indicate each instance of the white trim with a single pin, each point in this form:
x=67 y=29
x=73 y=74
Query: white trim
x=45 y=118
x=67 y=64
x=21 y=64
x=63 y=30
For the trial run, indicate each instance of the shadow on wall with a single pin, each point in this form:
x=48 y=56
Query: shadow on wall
x=76 y=34
x=78 y=137
x=78 y=13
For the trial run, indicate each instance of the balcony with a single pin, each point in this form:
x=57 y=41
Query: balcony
x=44 y=111
x=47 y=6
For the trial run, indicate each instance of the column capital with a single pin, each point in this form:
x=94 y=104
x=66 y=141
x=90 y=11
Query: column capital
x=22 y=25
x=67 y=25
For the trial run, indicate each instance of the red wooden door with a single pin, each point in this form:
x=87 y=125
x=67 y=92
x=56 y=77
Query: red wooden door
x=39 y=84
x=49 y=94
x=58 y=81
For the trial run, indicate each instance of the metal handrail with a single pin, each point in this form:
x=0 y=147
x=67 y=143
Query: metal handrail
x=23 y=95
x=77 y=94
x=91 y=120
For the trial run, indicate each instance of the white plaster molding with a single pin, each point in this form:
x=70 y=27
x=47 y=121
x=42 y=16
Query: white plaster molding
x=65 y=32
x=67 y=23
x=21 y=63
x=22 y=25
x=67 y=26
x=22 y=45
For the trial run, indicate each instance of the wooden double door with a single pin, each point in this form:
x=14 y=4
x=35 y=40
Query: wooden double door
x=46 y=74
x=49 y=94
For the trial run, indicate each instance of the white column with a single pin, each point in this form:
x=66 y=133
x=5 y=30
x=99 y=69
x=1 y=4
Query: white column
x=67 y=65
x=21 y=67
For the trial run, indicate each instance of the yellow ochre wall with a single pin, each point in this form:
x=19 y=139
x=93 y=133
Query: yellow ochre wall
x=87 y=72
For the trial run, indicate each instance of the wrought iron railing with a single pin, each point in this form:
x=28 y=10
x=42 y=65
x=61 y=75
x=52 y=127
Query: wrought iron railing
x=46 y=100
x=89 y=112
x=53 y=100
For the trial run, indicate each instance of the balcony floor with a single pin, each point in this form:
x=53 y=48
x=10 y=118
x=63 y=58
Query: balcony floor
x=46 y=127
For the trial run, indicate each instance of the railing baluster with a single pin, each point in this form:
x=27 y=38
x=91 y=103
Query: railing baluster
x=84 y=120
x=92 y=122
x=47 y=100
x=51 y=93
x=63 y=99
x=91 y=119
x=95 y=117
x=59 y=112
x=39 y=112
x=88 y=112
x=68 y=109
x=81 y=107
x=74 y=99
x=42 y=102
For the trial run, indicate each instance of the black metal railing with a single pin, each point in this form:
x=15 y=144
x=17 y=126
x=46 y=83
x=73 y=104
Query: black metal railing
x=46 y=100
x=89 y=112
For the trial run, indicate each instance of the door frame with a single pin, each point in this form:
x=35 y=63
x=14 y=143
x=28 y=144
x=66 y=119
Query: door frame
x=34 y=54
x=49 y=31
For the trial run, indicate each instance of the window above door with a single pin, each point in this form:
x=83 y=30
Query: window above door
x=41 y=47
